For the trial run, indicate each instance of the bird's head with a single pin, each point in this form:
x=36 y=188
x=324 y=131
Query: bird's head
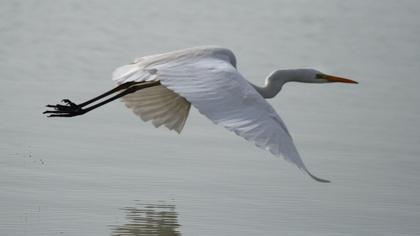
x=315 y=76
x=280 y=77
x=275 y=81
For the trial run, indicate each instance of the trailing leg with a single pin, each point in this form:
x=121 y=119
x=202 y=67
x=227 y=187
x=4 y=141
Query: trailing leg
x=71 y=109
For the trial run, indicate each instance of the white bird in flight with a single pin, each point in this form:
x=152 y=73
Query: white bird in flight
x=162 y=87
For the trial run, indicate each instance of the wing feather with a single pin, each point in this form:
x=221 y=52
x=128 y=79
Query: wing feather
x=160 y=105
x=209 y=80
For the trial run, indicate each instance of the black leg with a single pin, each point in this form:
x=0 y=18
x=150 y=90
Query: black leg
x=114 y=90
x=72 y=109
x=71 y=106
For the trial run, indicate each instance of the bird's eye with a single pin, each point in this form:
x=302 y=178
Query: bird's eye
x=319 y=76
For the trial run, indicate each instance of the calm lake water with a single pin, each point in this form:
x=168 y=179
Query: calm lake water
x=108 y=173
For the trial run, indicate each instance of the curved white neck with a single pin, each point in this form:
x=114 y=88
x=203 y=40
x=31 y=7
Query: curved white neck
x=276 y=79
x=267 y=91
x=271 y=88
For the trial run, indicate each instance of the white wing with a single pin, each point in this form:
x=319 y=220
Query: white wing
x=160 y=105
x=210 y=82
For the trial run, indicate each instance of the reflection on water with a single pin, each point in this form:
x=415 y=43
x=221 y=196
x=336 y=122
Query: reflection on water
x=150 y=220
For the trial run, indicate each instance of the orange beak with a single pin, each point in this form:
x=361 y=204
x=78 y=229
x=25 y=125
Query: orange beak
x=332 y=78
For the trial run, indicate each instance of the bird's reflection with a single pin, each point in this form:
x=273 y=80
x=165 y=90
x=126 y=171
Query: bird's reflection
x=149 y=220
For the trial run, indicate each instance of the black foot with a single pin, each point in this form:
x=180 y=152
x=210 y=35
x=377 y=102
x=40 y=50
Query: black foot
x=68 y=102
x=68 y=110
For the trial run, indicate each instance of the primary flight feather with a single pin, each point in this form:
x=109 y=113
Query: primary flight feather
x=162 y=87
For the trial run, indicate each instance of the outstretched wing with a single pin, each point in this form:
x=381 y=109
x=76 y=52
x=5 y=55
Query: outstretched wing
x=214 y=86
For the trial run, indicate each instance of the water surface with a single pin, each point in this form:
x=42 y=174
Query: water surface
x=73 y=176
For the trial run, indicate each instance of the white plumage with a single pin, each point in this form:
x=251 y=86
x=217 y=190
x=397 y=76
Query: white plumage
x=161 y=105
x=207 y=78
x=162 y=87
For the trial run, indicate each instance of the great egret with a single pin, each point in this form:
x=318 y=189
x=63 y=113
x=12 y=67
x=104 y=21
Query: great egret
x=162 y=87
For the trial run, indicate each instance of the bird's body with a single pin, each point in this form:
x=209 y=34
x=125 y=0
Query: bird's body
x=166 y=85
x=161 y=104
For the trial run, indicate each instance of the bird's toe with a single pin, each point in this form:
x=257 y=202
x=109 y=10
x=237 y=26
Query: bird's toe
x=69 y=103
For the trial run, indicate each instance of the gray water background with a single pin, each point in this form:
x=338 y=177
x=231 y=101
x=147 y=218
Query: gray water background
x=76 y=176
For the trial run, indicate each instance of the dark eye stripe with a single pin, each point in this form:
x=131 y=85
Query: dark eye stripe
x=319 y=76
